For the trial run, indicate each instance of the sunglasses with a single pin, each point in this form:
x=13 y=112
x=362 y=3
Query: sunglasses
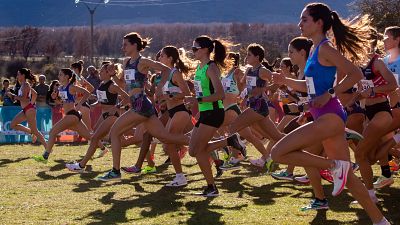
x=195 y=48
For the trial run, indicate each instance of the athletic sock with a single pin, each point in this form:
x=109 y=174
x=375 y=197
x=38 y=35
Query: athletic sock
x=46 y=155
x=386 y=171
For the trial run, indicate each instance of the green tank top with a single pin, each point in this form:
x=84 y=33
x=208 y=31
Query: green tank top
x=204 y=88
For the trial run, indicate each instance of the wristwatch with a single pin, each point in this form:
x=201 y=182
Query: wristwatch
x=331 y=91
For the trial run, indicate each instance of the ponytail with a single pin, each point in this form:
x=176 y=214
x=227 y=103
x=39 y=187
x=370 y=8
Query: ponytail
x=27 y=74
x=219 y=53
x=135 y=38
x=349 y=39
x=177 y=59
x=70 y=74
x=217 y=46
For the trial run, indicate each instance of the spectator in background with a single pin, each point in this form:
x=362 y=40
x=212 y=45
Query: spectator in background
x=94 y=79
x=7 y=101
x=16 y=88
x=42 y=88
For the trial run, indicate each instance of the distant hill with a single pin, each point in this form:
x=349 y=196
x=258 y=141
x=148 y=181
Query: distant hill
x=51 y=13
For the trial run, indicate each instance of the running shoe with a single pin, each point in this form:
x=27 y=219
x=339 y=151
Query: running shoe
x=339 y=174
x=355 y=167
x=218 y=163
x=210 y=191
x=39 y=158
x=75 y=167
x=109 y=176
x=260 y=162
x=316 y=204
x=326 y=175
x=303 y=179
x=383 y=181
x=131 y=169
x=102 y=152
x=178 y=182
x=352 y=135
x=230 y=165
x=384 y=221
x=235 y=141
x=270 y=165
x=149 y=169
x=283 y=175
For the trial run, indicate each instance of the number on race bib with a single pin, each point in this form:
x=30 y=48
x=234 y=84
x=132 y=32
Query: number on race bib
x=310 y=86
x=63 y=95
x=226 y=83
x=197 y=88
x=251 y=81
x=130 y=74
x=366 y=84
x=101 y=96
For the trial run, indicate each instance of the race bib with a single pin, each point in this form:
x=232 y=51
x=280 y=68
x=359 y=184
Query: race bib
x=302 y=100
x=101 y=96
x=251 y=81
x=365 y=84
x=63 y=95
x=165 y=88
x=130 y=74
x=244 y=93
x=197 y=88
x=310 y=86
x=397 y=78
x=226 y=83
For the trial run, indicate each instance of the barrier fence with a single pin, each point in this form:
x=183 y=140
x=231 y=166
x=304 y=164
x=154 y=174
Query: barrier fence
x=46 y=117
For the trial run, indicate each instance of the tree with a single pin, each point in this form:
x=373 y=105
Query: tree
x=384 y=13
x=11 y=37
x=29 y=38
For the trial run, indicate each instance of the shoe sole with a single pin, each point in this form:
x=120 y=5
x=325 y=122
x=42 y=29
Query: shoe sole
x=180 y=185
x=75 y=171
x=229 y=168
x=113 y=179
x=282 y=178
x=385 y=185
x=129 y=172
x=320 y=208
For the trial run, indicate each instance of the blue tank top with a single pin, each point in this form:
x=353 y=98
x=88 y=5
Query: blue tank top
x=134 y=78
x=229 y=84
x=253 y=80
x=319 y=78
x=393 y=66
x=65 y=95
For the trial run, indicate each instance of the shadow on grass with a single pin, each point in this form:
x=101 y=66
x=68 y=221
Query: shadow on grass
x=151 y=204
x=5 y=162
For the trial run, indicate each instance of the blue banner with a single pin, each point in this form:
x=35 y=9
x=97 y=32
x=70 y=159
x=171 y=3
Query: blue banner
x=7 y=113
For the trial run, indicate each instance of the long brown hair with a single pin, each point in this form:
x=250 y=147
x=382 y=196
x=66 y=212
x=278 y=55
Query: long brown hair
x=350 y=39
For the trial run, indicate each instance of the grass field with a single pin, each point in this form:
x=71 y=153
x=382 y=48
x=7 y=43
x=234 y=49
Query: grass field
x=34 y=193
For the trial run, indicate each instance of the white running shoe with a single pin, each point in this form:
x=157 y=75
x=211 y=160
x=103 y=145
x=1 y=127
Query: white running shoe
x=383 y=182
x=303 y=179
x=339 y=174
x=178 y=182
x=75 y=167
x=257 y=162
